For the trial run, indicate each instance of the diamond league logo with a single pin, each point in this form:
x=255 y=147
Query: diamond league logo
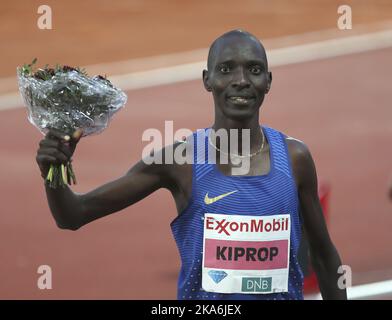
x=216 y=275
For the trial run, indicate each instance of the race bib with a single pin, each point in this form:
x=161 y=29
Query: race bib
x=246 y=254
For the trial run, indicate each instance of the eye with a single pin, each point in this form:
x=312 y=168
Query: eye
x=224 y=69
x=255 y=70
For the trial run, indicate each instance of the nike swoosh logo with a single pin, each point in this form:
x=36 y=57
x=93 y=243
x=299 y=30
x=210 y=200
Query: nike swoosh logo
x=208 y=200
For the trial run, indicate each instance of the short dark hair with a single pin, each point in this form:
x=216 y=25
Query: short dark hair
x=232 y=33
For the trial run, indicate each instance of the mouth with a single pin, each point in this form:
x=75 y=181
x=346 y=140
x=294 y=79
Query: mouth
x=241 y=100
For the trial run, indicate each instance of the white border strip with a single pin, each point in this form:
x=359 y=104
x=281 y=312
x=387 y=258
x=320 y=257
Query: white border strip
x=366 y=291
x=277 y=57
x=370 y=290
x=331 y=48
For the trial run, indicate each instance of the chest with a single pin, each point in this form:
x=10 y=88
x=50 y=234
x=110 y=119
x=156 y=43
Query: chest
x=257 y=165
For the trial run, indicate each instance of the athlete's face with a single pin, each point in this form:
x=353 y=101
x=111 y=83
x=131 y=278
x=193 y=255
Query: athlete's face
x=238 y=76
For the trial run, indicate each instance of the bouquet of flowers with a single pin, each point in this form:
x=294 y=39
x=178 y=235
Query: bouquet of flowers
x=67 y=99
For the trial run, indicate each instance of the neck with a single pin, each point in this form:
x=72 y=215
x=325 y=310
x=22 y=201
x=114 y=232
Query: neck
x=252 y=124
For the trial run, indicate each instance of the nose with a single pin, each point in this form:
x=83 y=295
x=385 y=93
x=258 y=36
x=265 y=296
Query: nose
x=240 y=79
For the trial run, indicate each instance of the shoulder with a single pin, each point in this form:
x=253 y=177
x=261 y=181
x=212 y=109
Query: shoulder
x=169 y=164
x=298 y=150
x=301 y=160
x=296 y=147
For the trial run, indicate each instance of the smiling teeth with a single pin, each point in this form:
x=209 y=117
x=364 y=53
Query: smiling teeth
x=239 y=99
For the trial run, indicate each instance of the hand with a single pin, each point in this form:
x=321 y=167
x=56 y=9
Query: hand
x=56 y=148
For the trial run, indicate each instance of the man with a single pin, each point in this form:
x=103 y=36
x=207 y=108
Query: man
x=238 y=235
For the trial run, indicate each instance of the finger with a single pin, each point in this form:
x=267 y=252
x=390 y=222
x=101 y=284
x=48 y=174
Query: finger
x=51 y=152
x=51 y=137
x=76 y=135
x=63 y=147
x=44 y=162
x=54 y=133
x=45 y=159
x=61 y=157
x=48 y=143
x=75 y=138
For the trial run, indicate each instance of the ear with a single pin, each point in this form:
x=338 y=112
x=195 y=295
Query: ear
x=206 y=80
x=269 y=82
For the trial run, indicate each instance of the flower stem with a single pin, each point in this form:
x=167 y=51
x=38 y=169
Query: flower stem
x=60 y=175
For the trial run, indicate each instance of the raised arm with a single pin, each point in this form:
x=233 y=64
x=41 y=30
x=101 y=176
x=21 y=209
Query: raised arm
x=324 y=256
x=71 y=210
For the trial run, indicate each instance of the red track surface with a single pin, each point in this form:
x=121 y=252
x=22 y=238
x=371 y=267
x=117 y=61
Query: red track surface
x=124 y=29
x=340 y=107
